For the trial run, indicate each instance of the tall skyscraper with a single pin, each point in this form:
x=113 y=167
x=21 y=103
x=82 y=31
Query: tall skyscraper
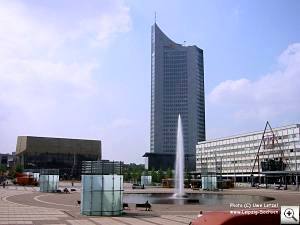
x=177 y=87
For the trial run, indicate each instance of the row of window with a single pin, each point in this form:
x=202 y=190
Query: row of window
x=282 y=140
x=281 y=134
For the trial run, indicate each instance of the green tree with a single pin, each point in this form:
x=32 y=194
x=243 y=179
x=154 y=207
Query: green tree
x=134 y=175
x=3 y=169
x=169 y=173
x=19 y=168
x=127 y=176
x=160 y=175
x=12 y=172
x=132 y=172
x=154 y=176
x=139 y=174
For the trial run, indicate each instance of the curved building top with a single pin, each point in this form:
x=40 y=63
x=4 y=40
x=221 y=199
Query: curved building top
x=160 y=38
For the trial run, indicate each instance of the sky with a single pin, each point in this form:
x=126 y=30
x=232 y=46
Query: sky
x=82 y=69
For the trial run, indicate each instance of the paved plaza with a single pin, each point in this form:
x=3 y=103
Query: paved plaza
x=26 y=205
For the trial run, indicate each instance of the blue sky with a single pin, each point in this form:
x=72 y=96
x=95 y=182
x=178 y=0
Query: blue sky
x=83 y=70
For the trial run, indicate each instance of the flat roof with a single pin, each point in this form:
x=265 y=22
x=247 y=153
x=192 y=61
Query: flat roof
x=60 y=138
x=280 y=172
x=148 y=154
x=296 y=125
x=32 y=144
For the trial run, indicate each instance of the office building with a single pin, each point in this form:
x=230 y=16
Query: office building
x=237 y=157
x=177 y=87
x=7 y=160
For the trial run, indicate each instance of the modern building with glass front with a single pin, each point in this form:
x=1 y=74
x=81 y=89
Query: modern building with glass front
x=65 y=154
x=237 y=157
x=177 y=87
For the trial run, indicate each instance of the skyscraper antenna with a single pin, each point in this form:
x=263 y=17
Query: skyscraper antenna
x=155 y=17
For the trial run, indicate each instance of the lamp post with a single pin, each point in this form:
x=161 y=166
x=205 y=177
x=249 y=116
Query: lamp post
x=297 y=181
x=295 y=153
x=296 y=168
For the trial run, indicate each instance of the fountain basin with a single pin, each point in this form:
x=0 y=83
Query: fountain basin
x=193 y=198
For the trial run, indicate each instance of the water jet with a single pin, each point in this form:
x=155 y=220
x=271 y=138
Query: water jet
x=179 y=163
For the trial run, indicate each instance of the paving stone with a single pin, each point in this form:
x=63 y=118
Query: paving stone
x=159 y=220
x=80 y=222
x=133 y=221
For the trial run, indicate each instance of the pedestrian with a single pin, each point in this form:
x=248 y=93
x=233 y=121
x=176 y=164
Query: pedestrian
x=147 y=206
x=200 y=213
x=3 y=185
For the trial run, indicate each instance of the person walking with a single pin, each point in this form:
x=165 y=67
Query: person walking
x=147 y=206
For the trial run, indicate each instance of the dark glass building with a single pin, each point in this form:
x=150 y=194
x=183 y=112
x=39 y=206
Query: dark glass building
x=177 y=87
x=65 y=154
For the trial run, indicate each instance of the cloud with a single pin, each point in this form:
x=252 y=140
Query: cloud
x=50 y=72
x=21 y=36
x=272 y=96
x=33 y=51
x=110 y=24
x=121 y=123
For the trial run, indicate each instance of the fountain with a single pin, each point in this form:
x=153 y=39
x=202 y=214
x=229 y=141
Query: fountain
x=179 y=197
x=179 y=168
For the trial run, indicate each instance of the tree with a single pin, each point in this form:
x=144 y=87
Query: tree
x=154 y=176
x=134 y=175
x=160 y=175
x=19 y=168
x=2 y=168
x=127 y=176
x=169 y=173
x=139 y=174
x=132 y=172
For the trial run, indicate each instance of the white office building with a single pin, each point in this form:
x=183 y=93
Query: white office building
x=237 y=157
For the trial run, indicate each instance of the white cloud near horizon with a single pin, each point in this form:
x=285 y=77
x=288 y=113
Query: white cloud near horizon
x=272 y=96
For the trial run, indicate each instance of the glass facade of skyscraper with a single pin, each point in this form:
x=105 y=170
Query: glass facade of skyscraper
x=177 y=87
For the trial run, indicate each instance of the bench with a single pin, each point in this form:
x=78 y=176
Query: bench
x=193 y=200
x=137 y=186
x=147 y=206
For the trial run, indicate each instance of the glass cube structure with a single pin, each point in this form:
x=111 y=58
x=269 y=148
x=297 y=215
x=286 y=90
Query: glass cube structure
x=49 y=183
x=102 y=195
x=146 y=180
